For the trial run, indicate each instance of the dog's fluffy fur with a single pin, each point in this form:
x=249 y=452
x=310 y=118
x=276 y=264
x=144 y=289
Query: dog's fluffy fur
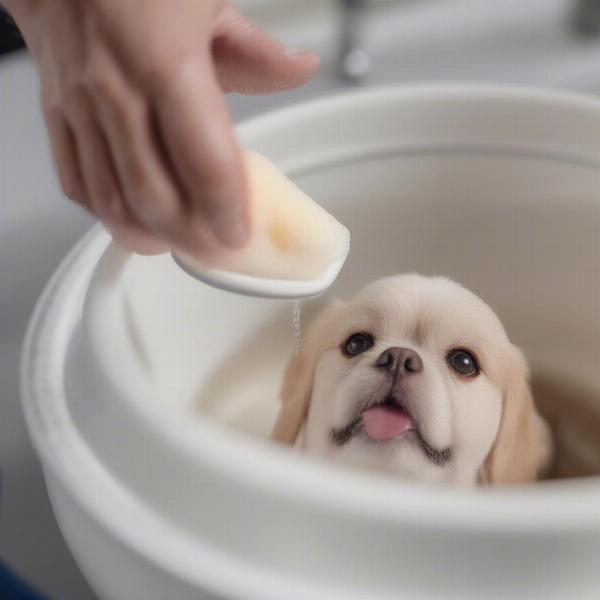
x=480 y=429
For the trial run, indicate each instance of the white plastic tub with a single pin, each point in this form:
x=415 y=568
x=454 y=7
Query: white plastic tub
x=131 y=391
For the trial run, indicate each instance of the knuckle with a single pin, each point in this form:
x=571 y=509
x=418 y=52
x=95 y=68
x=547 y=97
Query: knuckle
x=71 y=185
x=136 y=239
x=72 y=189
x=197 y=237
x=151 y=208
x=115 y=211
x=100 y=83
x=72 y=97
x=215 y=176
x=137 y=189
x=50 y=96
x=136 y=180
x=51 y=108
x=168 y=71
x=157 y=74
x=140 y=199
x=109 y=206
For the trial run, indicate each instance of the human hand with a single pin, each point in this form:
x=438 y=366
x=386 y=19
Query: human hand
x=132 y=94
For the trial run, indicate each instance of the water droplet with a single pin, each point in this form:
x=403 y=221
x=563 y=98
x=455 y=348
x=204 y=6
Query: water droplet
x=296 y=314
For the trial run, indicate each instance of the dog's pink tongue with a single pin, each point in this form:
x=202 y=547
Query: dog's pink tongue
x=385 y=423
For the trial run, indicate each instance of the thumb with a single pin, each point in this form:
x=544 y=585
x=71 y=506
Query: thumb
x=248 y=61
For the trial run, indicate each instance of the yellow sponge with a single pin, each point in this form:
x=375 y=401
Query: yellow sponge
x=292 y=236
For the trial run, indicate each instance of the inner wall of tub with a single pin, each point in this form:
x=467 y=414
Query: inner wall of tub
x=522 y=232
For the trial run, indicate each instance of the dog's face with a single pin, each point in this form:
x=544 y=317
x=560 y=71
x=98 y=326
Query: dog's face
x=415 y=376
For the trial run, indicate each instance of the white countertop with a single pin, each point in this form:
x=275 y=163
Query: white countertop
x=517 y=41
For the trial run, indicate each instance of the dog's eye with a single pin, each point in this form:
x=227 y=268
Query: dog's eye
x=357 y=343
x=463 y=362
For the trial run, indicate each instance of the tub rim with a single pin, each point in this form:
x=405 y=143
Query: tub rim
x=557 y=507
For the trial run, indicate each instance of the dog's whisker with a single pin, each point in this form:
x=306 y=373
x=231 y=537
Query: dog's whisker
x=438 y=457
x=341 y=436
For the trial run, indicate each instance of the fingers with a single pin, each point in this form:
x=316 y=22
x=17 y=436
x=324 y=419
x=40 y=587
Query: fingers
x=137 y=240
x=103 y=191
x=64 y=152
x=197 y=133
x=150 y=147
x=149 y=185
x=172 y=178
x=249 y=61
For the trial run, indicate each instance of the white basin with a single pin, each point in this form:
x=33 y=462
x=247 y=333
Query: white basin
x=149 y=397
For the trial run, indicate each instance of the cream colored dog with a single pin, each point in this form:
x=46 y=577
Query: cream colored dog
x=415 y=376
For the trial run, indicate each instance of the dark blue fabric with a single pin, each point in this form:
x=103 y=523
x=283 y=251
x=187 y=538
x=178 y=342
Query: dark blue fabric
x=13 y=588
x=10 y=39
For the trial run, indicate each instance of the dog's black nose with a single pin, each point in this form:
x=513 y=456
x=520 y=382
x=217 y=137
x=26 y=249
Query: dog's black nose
x=401 y=361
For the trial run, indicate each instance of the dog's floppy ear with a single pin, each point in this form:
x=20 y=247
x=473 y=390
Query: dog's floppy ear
x=523 y=445
x=298 y=380
x=295 y=399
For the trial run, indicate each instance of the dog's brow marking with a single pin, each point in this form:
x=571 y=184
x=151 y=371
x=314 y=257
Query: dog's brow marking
x=419 y=333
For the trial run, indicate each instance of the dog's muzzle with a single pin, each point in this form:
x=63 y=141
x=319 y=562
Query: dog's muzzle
x=389 y=418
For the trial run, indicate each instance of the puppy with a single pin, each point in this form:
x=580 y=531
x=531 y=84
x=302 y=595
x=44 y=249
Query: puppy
x=415 y=376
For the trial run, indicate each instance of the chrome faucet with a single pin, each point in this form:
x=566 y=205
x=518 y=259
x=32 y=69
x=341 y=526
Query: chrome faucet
x=353 y=61
x=586 y=17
